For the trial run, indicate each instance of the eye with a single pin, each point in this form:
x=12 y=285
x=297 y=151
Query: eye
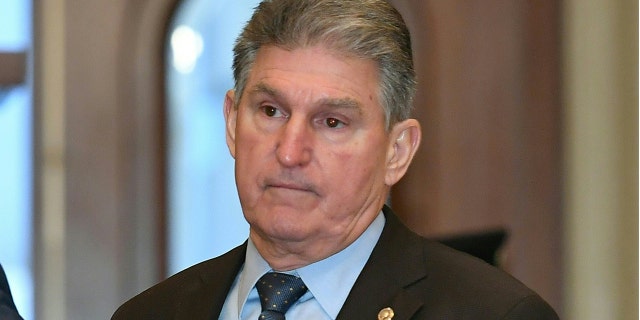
x=334 y=123
x=271 y=111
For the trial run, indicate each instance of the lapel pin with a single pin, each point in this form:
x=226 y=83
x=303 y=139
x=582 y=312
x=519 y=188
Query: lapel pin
x=385 y=314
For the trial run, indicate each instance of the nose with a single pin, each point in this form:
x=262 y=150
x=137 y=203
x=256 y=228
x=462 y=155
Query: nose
x=293 y=147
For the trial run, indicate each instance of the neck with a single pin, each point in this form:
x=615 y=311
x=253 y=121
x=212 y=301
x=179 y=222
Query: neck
x=287 y=255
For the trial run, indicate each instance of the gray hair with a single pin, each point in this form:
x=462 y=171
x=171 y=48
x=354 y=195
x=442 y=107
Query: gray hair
x=368 y=29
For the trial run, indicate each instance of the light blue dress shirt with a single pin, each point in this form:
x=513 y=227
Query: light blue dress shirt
x=329 y=280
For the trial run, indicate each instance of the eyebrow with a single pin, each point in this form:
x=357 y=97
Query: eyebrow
x=264 y=88
x=334 y=103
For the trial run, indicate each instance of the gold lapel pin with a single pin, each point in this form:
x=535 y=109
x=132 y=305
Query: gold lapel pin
x=385 y=314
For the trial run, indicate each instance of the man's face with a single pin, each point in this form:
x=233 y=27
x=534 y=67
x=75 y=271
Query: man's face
x=310 y=146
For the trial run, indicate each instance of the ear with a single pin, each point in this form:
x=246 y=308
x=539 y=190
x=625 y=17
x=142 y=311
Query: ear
x=230 y=117
x=404 y=140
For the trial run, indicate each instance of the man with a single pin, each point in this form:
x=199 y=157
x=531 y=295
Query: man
x=318 y=124
x=8 y=310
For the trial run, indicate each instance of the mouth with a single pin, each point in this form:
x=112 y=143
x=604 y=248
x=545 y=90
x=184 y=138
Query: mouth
x=295 y=186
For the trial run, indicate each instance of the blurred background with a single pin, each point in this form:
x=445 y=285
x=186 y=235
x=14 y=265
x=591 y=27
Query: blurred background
x=114 y=173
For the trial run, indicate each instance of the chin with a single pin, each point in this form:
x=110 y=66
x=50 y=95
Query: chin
x=289 y=227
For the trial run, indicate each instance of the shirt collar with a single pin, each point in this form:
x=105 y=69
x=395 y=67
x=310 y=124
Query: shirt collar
x=254 y=267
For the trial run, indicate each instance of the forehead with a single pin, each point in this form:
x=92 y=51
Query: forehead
x=314 y=71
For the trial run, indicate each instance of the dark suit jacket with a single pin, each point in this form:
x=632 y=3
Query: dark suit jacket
x=417 y=278
x=8 y=310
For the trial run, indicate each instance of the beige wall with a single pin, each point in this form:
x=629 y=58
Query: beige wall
x=99 y=153
x=50 y=170
x=601 y=159
x=99 y=169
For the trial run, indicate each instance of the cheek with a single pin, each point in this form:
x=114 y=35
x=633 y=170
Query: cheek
x=250 y=161
x=357 y=171
x=251 y=147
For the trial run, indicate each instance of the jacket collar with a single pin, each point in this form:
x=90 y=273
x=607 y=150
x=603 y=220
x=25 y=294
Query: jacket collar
x=206 y=297
x=395 y=268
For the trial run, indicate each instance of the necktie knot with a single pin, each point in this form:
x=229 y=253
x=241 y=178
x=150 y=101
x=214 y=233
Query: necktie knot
x=278 y=292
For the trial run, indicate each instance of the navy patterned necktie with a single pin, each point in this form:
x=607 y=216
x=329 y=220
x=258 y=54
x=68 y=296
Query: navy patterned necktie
x=278 y=292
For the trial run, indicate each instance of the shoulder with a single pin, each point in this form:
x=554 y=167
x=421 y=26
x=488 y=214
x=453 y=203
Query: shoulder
x=166 y=297
x=465 y=271
x=470 y=286
x=452 y=284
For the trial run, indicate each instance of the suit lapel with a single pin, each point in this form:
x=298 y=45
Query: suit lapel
x=207 y=296
x=390 y=276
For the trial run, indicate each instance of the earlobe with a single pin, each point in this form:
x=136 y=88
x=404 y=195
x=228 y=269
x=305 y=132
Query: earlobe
x=405 y=139
x=230 y=117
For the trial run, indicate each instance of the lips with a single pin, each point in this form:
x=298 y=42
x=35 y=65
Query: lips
x=288 y=184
